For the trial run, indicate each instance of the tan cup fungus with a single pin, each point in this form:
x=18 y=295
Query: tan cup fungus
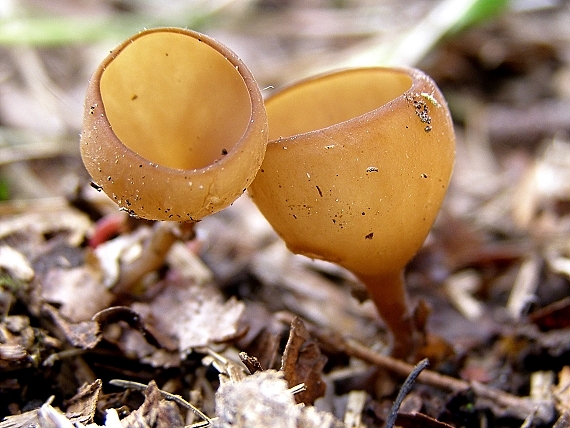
x=355 y=173
x=174 y=125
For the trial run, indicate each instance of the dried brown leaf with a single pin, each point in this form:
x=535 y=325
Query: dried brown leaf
x=304 y=363
x=84 y=335
x=81 y=407
x=155 y=412
x=129 y=316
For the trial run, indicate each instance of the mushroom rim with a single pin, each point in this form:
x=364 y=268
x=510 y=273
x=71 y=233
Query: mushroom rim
x=417 y=79
x=253 y=90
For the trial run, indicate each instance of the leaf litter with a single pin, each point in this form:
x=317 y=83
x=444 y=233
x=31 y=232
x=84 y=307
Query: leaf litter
x=233 y=325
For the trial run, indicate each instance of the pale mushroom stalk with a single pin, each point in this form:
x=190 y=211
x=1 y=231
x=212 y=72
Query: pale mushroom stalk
x=154 y=252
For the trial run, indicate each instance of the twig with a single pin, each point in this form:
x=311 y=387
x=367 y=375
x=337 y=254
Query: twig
x=520 y=407
x=233 y=370
x=202 y=424
x=406 y=386
x=167 y=395
x=298 y=388
x=58 y=356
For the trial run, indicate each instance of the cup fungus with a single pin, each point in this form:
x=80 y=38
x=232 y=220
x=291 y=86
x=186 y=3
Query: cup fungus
x=355 y=172
x=174 y=125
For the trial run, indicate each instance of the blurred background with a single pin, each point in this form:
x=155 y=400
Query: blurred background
x=504 y=66
x=501 y=247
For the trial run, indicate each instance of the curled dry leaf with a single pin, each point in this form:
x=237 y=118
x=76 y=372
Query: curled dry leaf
x=304 y=363
x=195 y=314
x=138 y=339
x=82 y=406
x=85 y=334
x=155 y=411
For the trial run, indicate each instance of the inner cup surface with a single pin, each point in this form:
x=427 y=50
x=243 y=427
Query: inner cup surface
x=331 y=99
x=175 y=100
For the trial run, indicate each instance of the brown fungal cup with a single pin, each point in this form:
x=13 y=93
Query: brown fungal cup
x=174 y=125
x=355 y=173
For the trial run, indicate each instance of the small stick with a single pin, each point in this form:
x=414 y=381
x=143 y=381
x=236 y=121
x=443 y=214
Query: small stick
x=167 y=395
x=520 y=407
x=406 y=387
x=155 y=249
x=298 y=388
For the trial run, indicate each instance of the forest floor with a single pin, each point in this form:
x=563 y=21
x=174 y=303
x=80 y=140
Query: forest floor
x=493 y=275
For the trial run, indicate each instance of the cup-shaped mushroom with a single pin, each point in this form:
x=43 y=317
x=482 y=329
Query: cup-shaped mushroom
x=356 y=170
x=174 y=125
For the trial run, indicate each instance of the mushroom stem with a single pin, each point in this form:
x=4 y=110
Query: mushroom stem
x=389 y=295
x=155 y=250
